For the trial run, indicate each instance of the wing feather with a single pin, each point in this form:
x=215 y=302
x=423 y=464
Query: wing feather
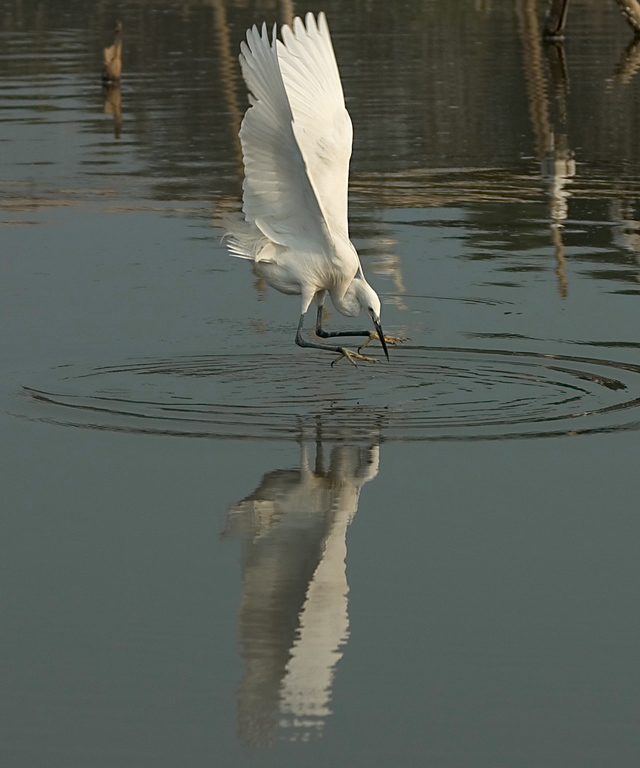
x=278 y=195
x=321 y=123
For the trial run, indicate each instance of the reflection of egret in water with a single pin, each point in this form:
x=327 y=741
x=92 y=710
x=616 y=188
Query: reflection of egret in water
x=552 y=147
x=293 y=618
x=382 y=259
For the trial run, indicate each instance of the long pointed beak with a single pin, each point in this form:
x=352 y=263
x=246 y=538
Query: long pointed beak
x=378 y=328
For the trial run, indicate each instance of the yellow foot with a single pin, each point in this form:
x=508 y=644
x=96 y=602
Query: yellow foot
x=390 y=340
x=352 y=357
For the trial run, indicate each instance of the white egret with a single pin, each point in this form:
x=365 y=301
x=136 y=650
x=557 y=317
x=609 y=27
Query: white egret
x=296 y=144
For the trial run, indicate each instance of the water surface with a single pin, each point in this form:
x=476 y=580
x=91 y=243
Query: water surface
x=218 y=549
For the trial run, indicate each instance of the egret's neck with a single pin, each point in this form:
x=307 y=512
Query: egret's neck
x=358 y=296
x=348 y=303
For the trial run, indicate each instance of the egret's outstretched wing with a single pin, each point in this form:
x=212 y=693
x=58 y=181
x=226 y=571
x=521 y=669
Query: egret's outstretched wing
x=277 y=194
x=321 y=122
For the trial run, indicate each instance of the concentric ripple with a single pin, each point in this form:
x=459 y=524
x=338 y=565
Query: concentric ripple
x=425 y=393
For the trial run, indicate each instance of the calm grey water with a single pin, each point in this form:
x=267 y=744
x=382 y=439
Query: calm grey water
x=217 y=550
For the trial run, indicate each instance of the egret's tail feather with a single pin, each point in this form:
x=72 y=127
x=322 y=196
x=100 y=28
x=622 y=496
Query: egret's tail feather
x=236 y=248
x=244 y=240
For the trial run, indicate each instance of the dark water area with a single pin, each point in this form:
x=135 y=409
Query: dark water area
x=184 y=576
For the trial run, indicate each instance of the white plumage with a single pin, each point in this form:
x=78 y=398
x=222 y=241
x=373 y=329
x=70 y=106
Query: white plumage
x=296 y=142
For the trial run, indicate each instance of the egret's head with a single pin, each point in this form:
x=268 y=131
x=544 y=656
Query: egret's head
x=370 y=302
x=366 y=297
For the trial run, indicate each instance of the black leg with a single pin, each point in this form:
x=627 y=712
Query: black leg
x=332 y=334
x=342 y=351
x=302 y=342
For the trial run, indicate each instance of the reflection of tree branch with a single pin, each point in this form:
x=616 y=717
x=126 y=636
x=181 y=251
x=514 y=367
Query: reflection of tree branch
x=629 y=62
x=556 y=158
x=228 y=79
x=556 y=18
x=627 y=227
x=631 y=11
x=288 y=11
x=557 y=61
x=228 y=74
x=561 y=260
x=535 y=77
